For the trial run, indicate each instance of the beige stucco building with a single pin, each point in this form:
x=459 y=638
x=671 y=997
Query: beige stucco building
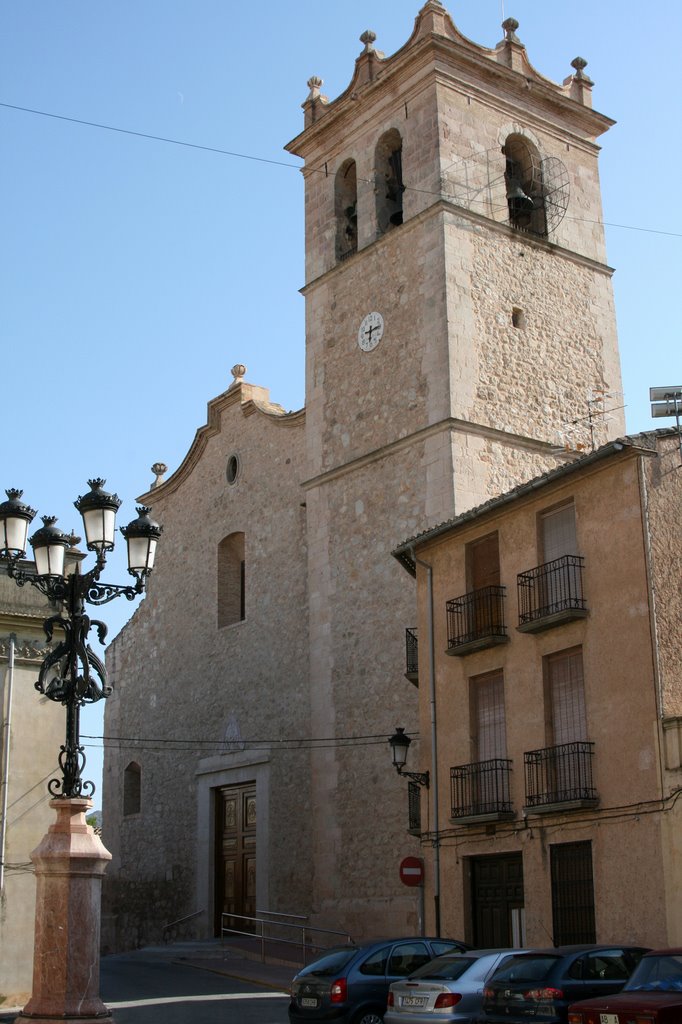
x=456 y=321
x=551 y=722
x=32 y=733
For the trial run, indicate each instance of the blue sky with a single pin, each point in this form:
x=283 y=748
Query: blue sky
x=135 y=272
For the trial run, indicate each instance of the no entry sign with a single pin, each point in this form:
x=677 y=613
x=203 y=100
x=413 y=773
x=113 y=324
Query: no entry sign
x=412 y=871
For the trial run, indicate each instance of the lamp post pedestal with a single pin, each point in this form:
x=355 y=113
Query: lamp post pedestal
x=69 y=864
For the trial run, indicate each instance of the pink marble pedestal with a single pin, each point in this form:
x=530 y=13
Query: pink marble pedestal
x=69 y=865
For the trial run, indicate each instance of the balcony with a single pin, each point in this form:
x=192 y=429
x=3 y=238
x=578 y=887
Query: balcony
x=476 y=621
x=480 y=791
x=414 y=808
x=560 y=778
x=412 y=655
x=551 y=594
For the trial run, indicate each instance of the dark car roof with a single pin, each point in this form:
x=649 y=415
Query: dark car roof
x=586 y=948
x=675 y=951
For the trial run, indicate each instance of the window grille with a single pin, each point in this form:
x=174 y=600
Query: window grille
x=572 y=893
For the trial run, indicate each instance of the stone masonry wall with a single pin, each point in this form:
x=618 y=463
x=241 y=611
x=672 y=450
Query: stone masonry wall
x=177 y=676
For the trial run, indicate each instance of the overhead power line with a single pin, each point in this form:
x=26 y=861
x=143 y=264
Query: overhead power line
x=275 y=163
x=288 y=743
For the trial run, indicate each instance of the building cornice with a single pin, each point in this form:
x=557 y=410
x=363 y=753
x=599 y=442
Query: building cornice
x=450 y=423
x=478 y=64
x=448 y=207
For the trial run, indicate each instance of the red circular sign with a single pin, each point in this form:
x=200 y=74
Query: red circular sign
x=412 y=871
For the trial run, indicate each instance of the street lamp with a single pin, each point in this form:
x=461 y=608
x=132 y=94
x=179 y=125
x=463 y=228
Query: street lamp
x=400 y=744
x=71 y=673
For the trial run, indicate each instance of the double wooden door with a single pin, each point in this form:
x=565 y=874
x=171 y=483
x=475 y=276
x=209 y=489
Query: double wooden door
x=235 y=855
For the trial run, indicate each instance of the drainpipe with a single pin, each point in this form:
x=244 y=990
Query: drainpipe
x=434 y=741
x=5 y=759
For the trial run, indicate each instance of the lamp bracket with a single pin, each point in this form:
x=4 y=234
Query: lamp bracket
x=421 y=778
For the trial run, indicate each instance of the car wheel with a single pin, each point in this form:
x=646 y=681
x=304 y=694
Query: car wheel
x=369 y=1017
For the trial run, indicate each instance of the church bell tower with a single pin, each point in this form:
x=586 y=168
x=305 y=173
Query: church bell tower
x=460 y=329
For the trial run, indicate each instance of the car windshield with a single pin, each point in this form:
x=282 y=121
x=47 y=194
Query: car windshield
x=446 y=967
x=333 y=962
x=657 y=974
x=525 y=968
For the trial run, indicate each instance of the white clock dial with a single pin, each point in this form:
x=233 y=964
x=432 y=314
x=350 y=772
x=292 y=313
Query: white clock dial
x=371 y=331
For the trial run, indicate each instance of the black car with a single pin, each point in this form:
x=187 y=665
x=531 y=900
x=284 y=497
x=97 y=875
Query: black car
x=540 y=984
x=349 y=984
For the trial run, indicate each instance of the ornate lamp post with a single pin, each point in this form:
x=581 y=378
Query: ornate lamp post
x=71 y=860
x=400 y=744
x=72 y=674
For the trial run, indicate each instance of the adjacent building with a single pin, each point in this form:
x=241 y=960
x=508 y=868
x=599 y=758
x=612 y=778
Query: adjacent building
x=556 y=695
x=32 y=732
x=456 y=321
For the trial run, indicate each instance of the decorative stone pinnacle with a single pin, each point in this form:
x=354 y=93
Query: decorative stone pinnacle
x=158 y=469
x=238 y=371
x=368 y=38
x=510 y=26
x=579 y=64
x=314 y=84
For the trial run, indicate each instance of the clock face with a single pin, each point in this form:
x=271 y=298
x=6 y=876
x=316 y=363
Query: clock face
x=371 y=331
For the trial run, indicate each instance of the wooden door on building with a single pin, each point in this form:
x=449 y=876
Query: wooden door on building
x=497 y=901
x=235 y=856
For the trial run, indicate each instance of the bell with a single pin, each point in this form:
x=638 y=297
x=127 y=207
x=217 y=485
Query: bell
x=517 y=196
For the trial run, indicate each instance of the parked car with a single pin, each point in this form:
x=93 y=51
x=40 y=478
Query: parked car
x=349 y=984
x=541 y=984
x=653 y=995
x=449 y=988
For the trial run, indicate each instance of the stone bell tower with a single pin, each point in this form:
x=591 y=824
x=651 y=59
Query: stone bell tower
x=459 y=316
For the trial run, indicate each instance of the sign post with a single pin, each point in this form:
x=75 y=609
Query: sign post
x=412 y=875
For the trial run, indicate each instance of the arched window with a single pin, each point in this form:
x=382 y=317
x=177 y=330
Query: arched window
x=346 y=210
x=523 y=178
x=231 y=580
x=132 y=788
x=389 y=186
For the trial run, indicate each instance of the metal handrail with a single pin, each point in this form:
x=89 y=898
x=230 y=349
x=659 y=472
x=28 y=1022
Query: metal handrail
x=276 y=913
x=305 y=932
x=180 y=920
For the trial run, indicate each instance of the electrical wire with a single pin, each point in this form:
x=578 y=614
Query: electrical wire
x=158 y=744
x=282 y=163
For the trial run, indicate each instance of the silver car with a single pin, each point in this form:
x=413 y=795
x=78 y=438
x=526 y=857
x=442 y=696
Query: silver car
x=449 y=988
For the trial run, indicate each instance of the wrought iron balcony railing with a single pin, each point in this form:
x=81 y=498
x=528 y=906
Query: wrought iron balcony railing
x=551 y=591
x=560 y=775
x=481 y=788
x=414 y=808
x=412 y=654
x=476 y=620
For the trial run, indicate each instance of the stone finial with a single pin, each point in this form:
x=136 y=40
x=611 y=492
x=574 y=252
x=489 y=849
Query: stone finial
x=238 y=371
x=510 y=26
x=314 y=83
x=159 y=468
x=580 y=64
x=368 y=38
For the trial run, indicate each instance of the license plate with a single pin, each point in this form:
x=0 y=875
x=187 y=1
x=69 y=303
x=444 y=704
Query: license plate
x=413 y=1001
x=608 y=1018
x=308 y=1001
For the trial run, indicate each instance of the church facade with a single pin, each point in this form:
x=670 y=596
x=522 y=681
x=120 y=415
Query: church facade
x=456 y=321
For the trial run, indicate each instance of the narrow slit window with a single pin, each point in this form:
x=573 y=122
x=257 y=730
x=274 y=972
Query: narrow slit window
x=231 y=580
x=132 y=789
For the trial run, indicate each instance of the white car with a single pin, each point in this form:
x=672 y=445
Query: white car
x=449 y=988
